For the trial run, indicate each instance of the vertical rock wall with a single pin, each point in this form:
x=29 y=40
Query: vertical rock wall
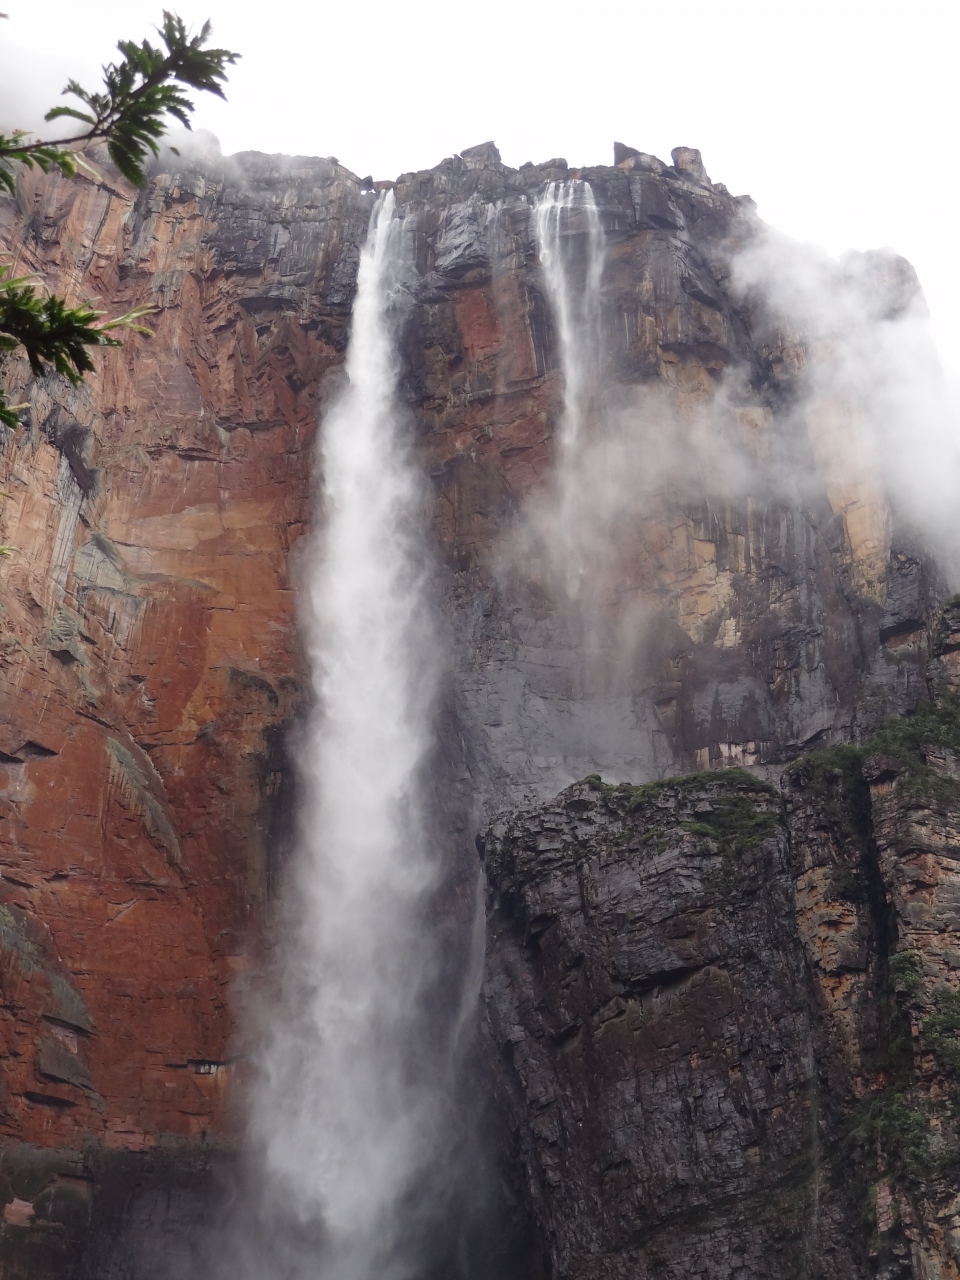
x=149 y=662
x=149 y=668
x=726 y=1018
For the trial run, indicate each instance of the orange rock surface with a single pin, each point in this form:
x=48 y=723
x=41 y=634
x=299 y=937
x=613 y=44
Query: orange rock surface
x=147 y=653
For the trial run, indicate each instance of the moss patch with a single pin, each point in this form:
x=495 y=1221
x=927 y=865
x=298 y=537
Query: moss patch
x=627 y=797
x=904 y=740
x=904 y=973
x=720 y=805
x=888 y=1124
x=941 y=1029
x=932 y=724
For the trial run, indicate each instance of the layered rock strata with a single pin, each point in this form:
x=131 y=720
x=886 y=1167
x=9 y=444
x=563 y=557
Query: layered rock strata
x=727 y=1016
x=759 y=600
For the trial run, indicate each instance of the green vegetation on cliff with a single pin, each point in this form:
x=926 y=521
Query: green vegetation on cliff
x=729 y=806
x=907 y=742
x=900 y=1127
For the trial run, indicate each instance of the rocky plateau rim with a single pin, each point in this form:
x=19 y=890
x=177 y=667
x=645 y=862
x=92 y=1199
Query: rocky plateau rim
x=202 y=152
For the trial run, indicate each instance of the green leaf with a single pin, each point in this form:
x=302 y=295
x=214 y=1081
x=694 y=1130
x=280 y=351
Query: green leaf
x=139 y=94
x=55 y=113
x=53 y=335
x=130 y=114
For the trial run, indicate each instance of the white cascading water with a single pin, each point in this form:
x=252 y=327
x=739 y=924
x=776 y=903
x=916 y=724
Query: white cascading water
x=583 y=520
x=571 y=250
x=344 y=1113
x=565 y=214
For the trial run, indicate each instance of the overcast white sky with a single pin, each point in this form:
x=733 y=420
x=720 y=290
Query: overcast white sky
x=839 y=118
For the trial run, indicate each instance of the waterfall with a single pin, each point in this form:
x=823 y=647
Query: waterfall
x=571 y=249
x=570 y=242
x=346 y=1110
x=584 y=522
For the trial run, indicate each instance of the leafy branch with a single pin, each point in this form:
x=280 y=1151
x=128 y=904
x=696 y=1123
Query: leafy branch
x=54 y=336
x=130 y=114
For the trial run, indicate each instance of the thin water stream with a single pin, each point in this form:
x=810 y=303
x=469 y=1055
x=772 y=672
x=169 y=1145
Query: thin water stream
x=572 y=258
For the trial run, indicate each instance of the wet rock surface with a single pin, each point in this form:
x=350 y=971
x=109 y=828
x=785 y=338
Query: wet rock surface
x=150 y=671
x=725 y=1015
x=645 y=994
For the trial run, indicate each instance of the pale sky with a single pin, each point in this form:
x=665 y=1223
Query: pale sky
x=839 y=118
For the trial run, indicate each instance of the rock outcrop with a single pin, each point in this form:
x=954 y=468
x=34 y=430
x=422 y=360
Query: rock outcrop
x=727 y=1016
x=759 y=601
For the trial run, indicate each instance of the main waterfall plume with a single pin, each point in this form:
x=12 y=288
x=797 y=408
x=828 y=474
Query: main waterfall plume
x=345 y=1108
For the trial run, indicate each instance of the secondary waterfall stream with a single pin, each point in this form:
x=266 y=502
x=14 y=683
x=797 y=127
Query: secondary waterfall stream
x=568 y=211
x=571 y=249
x=575 y=518
x=346 y=1108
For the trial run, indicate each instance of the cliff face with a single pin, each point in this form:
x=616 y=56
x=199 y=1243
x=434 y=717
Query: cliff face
x=706 y=1002
x=149 y=663
x=727 y=1020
